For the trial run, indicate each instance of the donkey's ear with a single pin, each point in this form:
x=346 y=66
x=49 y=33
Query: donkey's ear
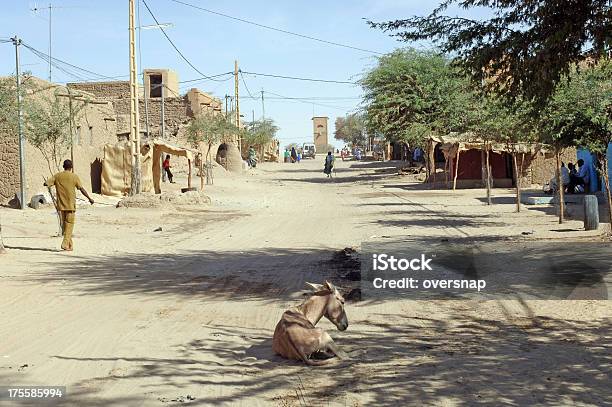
x=329 y=286
x=314 y=287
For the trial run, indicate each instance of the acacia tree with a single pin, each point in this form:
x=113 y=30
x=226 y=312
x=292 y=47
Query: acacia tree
x=351 y=129
x=210 y=129
x=579 y=113
x=524 y=48
x=260 y=132
x=411 y=95
x=589 y=93
x=509 y=123
x=48 y=122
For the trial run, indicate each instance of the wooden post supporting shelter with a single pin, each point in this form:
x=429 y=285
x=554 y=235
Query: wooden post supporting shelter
x=517 y=180
x=560 y=192
x=456 y=169
x=488 y=165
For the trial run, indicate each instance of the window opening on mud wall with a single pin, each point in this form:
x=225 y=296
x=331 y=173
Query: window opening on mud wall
x=155 y=90
x=77 y=137
x=91 y=136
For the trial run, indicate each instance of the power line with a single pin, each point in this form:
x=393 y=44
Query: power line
x=208 y=78
x=309 y=103
x=320 y=98
x=59 y=62
x=172 y=43
x=245 y=85
x=297 y=78
x=242 y=20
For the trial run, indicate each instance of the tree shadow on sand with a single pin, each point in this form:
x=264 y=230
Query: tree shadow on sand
x=456 y=357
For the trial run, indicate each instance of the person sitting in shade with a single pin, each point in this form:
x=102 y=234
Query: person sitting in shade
x=565 y=179
x=579 y=182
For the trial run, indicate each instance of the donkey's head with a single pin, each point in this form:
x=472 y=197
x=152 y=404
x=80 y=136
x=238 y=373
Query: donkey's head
x=334 y=304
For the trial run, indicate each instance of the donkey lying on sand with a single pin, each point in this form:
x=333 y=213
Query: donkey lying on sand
x=296 y=337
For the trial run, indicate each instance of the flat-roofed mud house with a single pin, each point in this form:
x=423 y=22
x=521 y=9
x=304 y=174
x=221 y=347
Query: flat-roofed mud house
x=162 y=86
x=94 y=126
x=104 y=119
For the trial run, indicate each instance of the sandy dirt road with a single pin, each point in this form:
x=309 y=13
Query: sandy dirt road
x=185 y=315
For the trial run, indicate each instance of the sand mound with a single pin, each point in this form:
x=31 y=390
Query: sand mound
x=166 y=198
x=187 y=198
x=140 y=201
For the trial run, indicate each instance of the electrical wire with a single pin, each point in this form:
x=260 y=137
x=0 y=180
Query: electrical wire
x=208 y=78
x=245 y=85
x=315 y=98
x=242 y=20
x=66 y=67
x=173 y=45
x=297 y=78
x=309 y=103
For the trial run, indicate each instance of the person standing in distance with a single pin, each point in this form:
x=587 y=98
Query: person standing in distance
x=66 y=183
x=166 y=167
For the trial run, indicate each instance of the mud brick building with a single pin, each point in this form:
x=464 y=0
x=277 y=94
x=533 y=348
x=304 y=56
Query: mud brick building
x=95 y=125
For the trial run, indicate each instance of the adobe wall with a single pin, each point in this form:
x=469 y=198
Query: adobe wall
x=176 y=112
x=9 y=170
x=94 y=127
x=540 y=170
x=105 y=90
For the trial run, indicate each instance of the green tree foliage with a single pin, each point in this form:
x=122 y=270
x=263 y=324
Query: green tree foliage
x=351 y=129
x=48 y=118
x=580 y=113
x=412 y=94
x=524 y=48
x=8 y=118
x=210 y=129
x=8 y=107
x=260 y=132
x=506 y=122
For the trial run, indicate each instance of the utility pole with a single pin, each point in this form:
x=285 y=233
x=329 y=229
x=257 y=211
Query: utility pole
x=22 y=177
x=146 y=106
x=236 y=93
x=163 y=113
x=70 y=126
x=263 y=107
x=134 y=116
x=50 y=8
x=226 y=105
x=237 y=103
x=146 y=91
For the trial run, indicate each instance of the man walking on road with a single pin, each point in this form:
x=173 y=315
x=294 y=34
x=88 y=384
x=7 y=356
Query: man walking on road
x=66 y=183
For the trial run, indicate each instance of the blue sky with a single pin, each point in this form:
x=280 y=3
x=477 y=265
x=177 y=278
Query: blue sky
x=93 y=35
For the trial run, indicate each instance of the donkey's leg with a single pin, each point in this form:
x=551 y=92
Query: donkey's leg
x=328 y=345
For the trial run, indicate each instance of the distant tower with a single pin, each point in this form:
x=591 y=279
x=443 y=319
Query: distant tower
x=319 y=129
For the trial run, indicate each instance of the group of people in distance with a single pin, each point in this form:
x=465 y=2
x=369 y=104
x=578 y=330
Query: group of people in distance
x=293 y=156
x=575 y=178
